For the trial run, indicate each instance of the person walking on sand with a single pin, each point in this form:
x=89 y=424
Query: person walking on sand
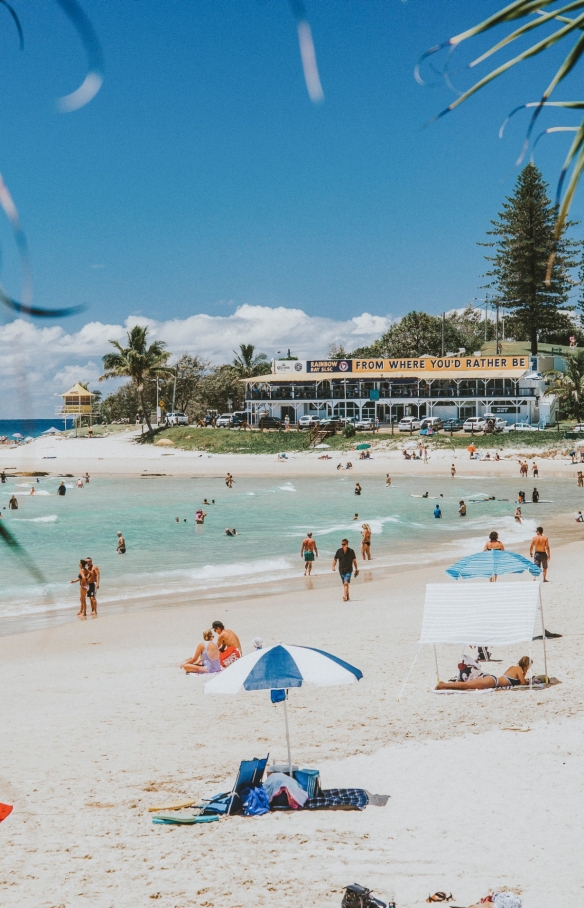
x=347 y=560
x=83 y=580
x=365 y=542
x=121 y=549
x=452 y=471
x=228 y=644
x=309 y=552
x=580 y=479
x=471 y=450
x=462 y=508
x=535 y=470
x=206 y=660
x=93 y=579
x=539 y=550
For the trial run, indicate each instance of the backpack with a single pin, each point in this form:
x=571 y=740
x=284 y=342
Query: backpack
x=358 y=897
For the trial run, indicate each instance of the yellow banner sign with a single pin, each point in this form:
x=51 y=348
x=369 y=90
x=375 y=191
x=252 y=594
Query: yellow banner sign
x=437 y=365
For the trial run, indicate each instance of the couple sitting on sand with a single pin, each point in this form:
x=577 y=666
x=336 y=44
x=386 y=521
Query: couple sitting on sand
x=513 y=677
x=211 y=657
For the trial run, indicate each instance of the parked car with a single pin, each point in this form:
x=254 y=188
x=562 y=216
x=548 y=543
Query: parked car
x=523 y=427
x=474 y=424
x=578 y=428
x=431 y=421
x=453 y=425
x=177 y=419
x=238 y=418
x=329 y=422
x=307 y=422
x=269 y=422
x=224 y=421
x=498 y=424
x=409 y=424
x=365 y=425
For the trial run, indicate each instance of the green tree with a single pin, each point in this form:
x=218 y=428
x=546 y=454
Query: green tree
x=220 y=385
x=248 y=363
x=138 y=362
x=188 y=371
x=568 y=386
x=415 y=334
x=337 y=350
x=524 y=247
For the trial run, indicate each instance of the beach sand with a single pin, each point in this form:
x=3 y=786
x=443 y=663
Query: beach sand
x=119 y=454
x=99 y=723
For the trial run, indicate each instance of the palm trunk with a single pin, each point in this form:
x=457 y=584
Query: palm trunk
x=144 y=410
x=533 y=340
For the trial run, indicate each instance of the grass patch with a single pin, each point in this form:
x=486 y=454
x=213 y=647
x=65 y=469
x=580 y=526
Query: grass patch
x=230 y=441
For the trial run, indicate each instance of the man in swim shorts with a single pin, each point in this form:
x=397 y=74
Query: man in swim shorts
x=227 y=643
x=93 y=583
x=346 y=559
x=310 y=552
x=540 y=551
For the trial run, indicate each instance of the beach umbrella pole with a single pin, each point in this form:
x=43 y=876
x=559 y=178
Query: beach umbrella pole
x=287 y=734
x=543 y=633
x=436 y=661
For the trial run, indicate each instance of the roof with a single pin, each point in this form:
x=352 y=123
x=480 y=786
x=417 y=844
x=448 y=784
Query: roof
x=446 y=374
x=77 y=390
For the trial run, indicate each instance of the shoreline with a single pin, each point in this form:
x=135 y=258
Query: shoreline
x=113 y=727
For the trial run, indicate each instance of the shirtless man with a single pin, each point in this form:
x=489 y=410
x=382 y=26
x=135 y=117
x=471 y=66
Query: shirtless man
x=227 y=643
x=540 y=551
x=121 y=548
x=309 y=552
x=229 y=481
x=93 y=579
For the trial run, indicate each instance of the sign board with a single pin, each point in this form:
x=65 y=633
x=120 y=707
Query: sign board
x=478 y=364
x=287 y=366
x=373 y=395
x=329 y=365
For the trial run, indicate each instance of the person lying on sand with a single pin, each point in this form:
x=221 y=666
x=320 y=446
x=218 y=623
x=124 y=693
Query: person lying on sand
x=513 y=677
x=206 y=658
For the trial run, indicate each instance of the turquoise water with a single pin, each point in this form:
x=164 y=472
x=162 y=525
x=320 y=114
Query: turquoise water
x=166 y=558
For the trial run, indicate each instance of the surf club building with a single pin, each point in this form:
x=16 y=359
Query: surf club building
x=460 y=386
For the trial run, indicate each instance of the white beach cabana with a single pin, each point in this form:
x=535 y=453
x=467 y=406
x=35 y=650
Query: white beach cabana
x=479 y=614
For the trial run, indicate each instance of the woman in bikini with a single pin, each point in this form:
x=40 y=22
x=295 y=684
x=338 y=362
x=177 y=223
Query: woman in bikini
x=366 y=542
x=83 y=581
x=513 y=677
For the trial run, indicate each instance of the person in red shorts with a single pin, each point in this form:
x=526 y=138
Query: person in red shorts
x=228 y=644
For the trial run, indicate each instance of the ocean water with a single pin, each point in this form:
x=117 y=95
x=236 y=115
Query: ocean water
x=166 y=558
x=32 y=427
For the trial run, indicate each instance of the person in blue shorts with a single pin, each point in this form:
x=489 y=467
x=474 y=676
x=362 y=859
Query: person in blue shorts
x=346 y=559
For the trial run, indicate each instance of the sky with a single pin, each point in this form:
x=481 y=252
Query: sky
x=203 y=192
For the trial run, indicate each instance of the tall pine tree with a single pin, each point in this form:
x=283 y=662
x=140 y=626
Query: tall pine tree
x=523 y=246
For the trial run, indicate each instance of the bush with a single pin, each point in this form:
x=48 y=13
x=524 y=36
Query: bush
x=349 y=431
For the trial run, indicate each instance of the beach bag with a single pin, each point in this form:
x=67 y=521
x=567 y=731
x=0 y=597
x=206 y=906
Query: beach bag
x=357 y=896
x=255 y=802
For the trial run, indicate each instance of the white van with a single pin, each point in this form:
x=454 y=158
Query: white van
x=434 y=421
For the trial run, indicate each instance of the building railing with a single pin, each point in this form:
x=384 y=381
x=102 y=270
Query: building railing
x=397 y=393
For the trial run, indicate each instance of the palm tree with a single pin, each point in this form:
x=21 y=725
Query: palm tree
x=137 y=362
x=568 y=386
x=247 y=363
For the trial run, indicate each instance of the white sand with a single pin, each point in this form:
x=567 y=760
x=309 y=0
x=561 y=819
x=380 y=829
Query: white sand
x=98 y=723
x=119 y=454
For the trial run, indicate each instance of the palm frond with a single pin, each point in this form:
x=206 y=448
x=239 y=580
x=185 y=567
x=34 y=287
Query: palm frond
x=538 y=15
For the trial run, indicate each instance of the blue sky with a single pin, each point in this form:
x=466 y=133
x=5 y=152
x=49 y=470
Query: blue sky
x=202 y=179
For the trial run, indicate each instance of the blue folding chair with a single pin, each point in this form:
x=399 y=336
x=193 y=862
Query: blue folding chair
x=250 y=775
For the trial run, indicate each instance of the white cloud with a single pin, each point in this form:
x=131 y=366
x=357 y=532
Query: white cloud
x=53 y=359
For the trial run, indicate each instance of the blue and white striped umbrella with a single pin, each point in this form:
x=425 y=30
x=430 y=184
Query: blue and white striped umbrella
x=281 y=667
x=494 y=561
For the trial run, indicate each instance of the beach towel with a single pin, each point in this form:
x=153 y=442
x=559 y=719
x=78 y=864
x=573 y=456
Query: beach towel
x=278 y=782
x=339 y=799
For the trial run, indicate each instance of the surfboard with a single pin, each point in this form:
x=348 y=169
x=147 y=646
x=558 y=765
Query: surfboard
x=172 y=805
x=178 y=819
